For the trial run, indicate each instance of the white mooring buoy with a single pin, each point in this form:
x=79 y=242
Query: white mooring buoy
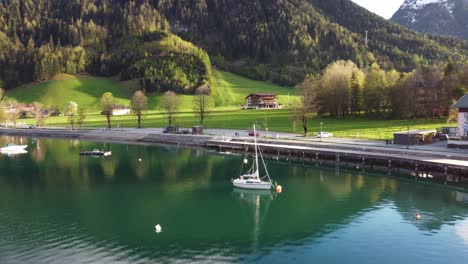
x=157 y=228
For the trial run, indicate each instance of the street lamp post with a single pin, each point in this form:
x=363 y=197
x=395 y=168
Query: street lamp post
x=321 y=126
x=408 y=136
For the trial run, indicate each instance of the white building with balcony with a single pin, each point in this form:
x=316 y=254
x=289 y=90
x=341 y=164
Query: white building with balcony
x=462 y=106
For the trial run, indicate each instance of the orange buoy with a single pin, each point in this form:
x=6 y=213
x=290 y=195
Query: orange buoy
x=418 y=216
x=279 y=189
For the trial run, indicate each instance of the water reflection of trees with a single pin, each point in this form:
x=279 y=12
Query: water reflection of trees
x=57 y=164
x=170 y=185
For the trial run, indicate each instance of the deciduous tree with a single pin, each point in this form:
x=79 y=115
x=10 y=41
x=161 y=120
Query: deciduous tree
x=71 y=111
x=107 y=106
x=38 y=113
x=3 y=115
x=335 y=88
x=202 y=103
x=171 y=104
x=307 y=90
x=14 y=112
x=81 y=116
x=355 y=97
x=138 y=104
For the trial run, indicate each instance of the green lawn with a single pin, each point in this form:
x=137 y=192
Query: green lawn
x=235 y=88
x=84 y=90
x=230 y=91
x=275 y=120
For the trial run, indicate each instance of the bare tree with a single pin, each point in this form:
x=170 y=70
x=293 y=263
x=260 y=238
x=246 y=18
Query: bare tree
x=138 y=104
x=71 y=111
x=171 y=104
x=2 y=92
x=107 y=106
x=453 y=116
x=38 y=113
x=3 y=115
x=14 y=112
x=202 y=103
x=81 y=116
x=308 y=94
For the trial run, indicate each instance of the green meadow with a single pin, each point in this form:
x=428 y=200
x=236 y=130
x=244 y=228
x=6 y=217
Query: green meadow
x=229 y=92
x=274 y=120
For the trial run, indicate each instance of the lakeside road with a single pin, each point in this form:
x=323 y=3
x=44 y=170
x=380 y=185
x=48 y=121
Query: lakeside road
x=436 y=154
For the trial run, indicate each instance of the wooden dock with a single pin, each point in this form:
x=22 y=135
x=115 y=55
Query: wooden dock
x=439 y=167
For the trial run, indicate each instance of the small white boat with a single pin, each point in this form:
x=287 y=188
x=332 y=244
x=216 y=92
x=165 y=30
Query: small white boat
x=251 y=179
x=96 y=152
x=13 y=148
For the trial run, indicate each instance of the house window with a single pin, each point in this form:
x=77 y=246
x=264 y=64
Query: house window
x=466 y=117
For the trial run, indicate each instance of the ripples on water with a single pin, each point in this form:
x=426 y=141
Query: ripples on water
x=57 y=207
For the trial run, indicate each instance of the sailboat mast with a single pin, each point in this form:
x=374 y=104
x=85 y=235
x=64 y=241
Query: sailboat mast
x=256 y=154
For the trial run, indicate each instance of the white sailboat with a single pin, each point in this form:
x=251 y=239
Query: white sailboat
x=13 y=149
x=251 y=179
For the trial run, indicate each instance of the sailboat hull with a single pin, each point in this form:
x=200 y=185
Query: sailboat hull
x=253 y=185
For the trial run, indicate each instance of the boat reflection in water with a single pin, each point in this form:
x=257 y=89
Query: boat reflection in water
x=258 y=202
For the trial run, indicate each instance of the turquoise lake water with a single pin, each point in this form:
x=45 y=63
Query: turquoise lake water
x=58 y=207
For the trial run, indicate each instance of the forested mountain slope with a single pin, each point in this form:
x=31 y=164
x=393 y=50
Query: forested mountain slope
x=289 y=37
x=277 y=40
x=41 y=38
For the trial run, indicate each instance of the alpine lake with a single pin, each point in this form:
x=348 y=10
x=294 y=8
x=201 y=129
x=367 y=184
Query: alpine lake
x=59 y=207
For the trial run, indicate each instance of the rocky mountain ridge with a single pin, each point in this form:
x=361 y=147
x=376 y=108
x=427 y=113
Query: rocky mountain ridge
x=438 y=17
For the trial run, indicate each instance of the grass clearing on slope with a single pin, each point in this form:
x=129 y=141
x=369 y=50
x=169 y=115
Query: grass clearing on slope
x=235 y=88
x=84 y=90
x=229 y=92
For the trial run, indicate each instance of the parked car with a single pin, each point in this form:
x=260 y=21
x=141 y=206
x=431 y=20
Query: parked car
x=441 y=137
x=171 y=129
x=324 y=135
x=251 y=134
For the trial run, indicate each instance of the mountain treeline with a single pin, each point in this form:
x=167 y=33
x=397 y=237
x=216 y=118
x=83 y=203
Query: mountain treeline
x=41 y=38
x=274 y=40
x=282 y=40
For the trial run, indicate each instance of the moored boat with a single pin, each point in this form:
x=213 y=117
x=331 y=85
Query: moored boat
x=10 y=147
x=96 y=152
x=251 y=179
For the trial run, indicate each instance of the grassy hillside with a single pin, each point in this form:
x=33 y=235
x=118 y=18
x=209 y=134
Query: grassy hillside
x=229 y=91
x=85 y=90
x=233 y=89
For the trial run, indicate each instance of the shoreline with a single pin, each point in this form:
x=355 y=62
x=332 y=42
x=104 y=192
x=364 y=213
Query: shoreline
x=425 y=164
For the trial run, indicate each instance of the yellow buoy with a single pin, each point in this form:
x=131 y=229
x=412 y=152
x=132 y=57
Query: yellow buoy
x=279 y=189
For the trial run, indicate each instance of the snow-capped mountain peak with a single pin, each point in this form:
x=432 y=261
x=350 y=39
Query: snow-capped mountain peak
x=418 y=4
x=442 y=17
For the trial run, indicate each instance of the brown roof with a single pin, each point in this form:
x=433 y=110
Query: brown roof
x=261 y=95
